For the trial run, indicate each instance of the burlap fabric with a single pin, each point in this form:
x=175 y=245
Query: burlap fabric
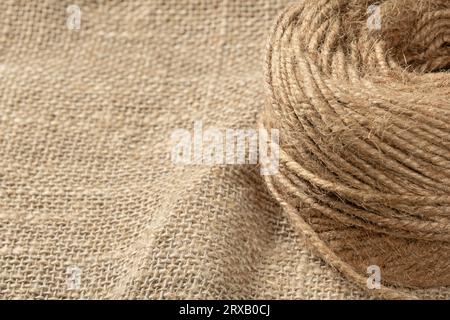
x=86 y=179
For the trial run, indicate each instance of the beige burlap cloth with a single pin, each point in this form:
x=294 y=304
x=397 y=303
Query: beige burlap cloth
x=91 y=205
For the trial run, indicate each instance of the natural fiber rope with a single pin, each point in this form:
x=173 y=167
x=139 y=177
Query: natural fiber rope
x=365 y=134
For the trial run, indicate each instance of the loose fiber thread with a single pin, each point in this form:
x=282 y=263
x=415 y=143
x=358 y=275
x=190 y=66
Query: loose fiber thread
x=365 y=135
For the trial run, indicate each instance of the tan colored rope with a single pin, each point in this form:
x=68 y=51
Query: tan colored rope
x=364 y=120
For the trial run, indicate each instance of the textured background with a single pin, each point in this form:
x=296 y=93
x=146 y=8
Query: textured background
x=85 y=173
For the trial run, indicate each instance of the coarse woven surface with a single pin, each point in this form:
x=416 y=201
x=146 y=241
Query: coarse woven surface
x=85 y=173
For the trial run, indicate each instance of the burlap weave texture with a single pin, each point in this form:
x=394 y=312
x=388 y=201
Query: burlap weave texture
x=86 y=178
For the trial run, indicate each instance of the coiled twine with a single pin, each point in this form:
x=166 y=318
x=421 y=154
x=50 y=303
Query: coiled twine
x=364 y=119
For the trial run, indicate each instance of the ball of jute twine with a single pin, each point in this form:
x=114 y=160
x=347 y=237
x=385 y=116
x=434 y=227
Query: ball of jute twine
x=364 y=119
